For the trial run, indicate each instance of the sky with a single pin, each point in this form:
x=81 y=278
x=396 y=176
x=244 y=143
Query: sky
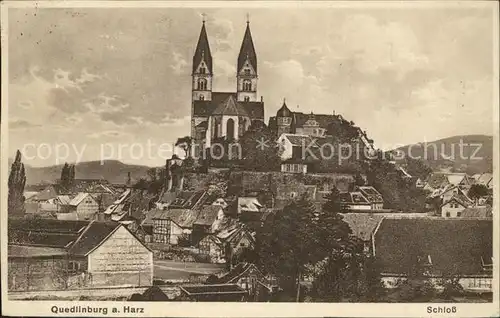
x=114 y=83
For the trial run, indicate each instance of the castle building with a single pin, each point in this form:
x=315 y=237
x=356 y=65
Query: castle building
x=224 y=114
x=288 y=122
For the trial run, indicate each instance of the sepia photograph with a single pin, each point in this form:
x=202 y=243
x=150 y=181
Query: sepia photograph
x=307 y=153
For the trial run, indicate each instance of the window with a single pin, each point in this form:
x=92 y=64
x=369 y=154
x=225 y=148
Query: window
x=247 y=99
x=293 y=194
x=247 y=71
x=202 y=97
x=73 y=266
x=202 y=84
x=448 y=214
x=247 y=85
x=161 y=231
x=202 y=70
x=459 y=214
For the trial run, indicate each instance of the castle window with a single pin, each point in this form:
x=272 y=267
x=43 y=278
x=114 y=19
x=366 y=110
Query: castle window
x=202 y=70
x=247 y=72
x=247 y=85
x=247 y=99
x=202 y=84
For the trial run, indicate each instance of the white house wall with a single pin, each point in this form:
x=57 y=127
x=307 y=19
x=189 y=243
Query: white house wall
x=121 y=260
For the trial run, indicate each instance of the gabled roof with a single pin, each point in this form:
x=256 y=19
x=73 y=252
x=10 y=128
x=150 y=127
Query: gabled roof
x=371 y=194
x=49 y=192
x=456 y=178
x=78 y=198
x=247 y=51
x=454 y=244
x=249 y=204
x=301 y=140
x=230 y=107
x=64 y=199
x=238 y=271
x=205 y=108
x=354 y=197
x=208 y=215
x=44 y=232
x=484 y=178
x=202 y=51
x=34 y=251
x=93 y=235
x=460 y=199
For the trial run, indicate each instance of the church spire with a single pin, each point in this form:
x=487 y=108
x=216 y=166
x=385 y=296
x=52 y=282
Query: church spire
x=247 y=50
x=202 y=52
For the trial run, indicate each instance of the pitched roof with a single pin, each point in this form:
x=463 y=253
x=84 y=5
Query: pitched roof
x=208 y=215
x=300 y=140
x=460 y=199
x=202 y=108
x=46 y=194
x=354 y=197
x=78 y=198
x=230 y=107
x=184 y=218
x=362 y=224
x=484 y=178
x=93 y=235
x=249 y=204
x=202 y=51
x=64 y=199
x=247 y=51
x=34 y=251
x=236 y=272
x=44 y=232
x=371 y=194
x=456 y=178
x=186 y=199
x=453 y=244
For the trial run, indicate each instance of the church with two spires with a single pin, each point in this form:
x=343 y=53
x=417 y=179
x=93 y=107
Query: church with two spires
x=228 y=115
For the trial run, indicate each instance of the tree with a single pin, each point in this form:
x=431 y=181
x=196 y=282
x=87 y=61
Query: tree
x=259 y=148
x=65 y=174
x=185 y=143
x=17 y=181
x=288 y=245
x=71 y=175
x=128 y=182
x=477 y=191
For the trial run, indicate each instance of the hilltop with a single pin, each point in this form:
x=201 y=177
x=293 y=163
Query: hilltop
x=114 y=171
x=445 y=153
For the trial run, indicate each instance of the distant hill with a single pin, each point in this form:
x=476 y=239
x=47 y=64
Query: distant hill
x=112 y=170
x=445 y=153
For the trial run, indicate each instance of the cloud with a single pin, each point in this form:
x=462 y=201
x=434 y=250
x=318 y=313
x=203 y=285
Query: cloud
x=180 y=65
x=21 y=124
x=107 y=133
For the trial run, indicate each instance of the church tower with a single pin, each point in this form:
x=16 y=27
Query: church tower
x=246 y=77
x=202 y=68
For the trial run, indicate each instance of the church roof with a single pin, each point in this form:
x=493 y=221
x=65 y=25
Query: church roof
x=202 y=51
x=207 y=107
x=230 y=107
x=247 y=50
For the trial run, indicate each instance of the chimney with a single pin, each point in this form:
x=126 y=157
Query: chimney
x=334 y=112
x=261 y=98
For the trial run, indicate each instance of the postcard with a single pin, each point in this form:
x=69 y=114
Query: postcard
x=250 y=158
